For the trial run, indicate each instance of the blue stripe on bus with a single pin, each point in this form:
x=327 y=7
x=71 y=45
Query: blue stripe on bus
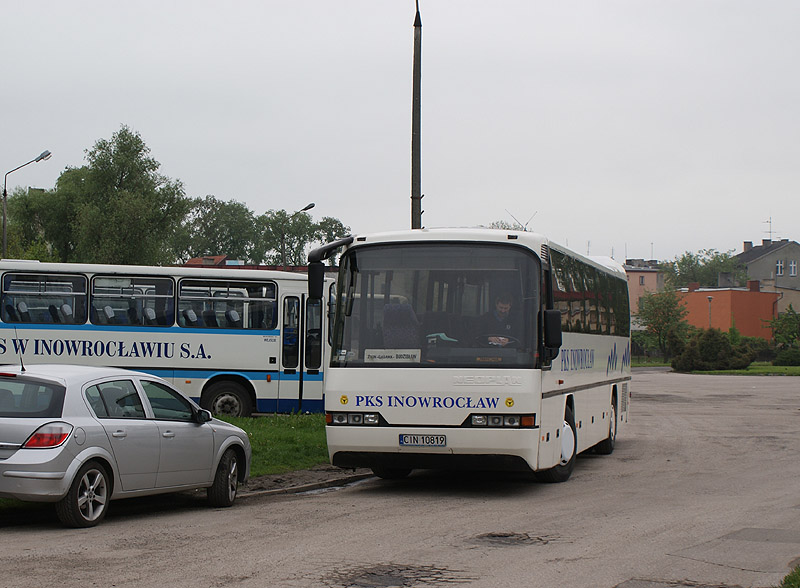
x=137 y=329
x=253 y=375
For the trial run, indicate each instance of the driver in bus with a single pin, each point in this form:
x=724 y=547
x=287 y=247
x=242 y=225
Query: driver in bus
x=497 y=325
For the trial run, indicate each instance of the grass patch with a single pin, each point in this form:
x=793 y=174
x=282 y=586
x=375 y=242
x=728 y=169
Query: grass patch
x=792 y=580
x=758 y=369
x=649 y=362
x=284 y=442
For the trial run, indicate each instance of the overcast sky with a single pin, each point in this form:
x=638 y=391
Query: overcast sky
x=631 y=127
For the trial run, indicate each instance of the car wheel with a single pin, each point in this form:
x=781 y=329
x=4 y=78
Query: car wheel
x=391 y=473
x=222 y=492
x=86 y=502
x=227 y=398
x=569 y=444
x=606 y=446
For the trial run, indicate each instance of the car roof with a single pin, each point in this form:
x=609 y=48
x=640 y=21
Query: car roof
x=66 y=373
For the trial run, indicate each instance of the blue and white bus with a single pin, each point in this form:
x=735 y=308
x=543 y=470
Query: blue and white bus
x=473 y=348
x=237 y=341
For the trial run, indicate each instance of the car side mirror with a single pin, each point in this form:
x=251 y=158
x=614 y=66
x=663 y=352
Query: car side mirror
x=203 y=416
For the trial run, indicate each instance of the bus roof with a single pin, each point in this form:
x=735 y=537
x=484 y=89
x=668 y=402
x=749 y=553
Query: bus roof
x=177 y=271
x=533 y=241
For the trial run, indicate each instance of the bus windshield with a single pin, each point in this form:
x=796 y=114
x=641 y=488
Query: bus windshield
x=437 y=305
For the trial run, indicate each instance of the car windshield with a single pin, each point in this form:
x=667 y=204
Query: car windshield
x=437 y=304
x=22 y=397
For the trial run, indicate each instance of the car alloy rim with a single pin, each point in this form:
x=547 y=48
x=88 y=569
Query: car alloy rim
x=233 y=479
x=92 y=495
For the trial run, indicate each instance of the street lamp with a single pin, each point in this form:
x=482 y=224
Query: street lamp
x=43 y=156
x=308 y=206
x=710 y=298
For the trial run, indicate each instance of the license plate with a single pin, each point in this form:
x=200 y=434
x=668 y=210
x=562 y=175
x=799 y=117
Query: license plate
x=423 y=440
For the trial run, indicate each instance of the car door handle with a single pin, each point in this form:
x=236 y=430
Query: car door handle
x=168 y=434
x=119 y=434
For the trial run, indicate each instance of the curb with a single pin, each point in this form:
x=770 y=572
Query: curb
x=343 y=481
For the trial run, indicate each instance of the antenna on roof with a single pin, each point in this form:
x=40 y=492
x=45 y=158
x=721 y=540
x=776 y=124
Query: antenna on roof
x=21 y=364
x=525 y=226
x=769 y=232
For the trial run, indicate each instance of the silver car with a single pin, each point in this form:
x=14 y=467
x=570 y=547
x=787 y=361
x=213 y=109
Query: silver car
x=82 y=436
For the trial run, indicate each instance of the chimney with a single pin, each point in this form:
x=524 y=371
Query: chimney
x=754 y=285
x=766 y=242
x=693 y=286
x=748 y=245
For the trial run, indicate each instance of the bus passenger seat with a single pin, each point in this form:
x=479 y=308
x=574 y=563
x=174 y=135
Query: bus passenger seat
x=108 y=315
x=233 y=319
x=66 y=311
x=54 y=313
x=149 y=316
x=190 y=318
x=24 y=315
x=133 y=316
x=400 y=327
x=210 y=318
x=11 y=314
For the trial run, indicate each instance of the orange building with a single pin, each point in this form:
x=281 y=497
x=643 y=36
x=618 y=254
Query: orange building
x=720 y=308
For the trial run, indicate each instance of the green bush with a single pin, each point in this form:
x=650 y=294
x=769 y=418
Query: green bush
x=787 y=357
x=711 y=350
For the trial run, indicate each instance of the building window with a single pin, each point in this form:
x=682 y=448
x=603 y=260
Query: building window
x=779 y=268
x=793 y=267
x=641 y=280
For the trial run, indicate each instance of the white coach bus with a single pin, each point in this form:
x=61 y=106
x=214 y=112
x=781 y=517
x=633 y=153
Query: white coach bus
x=237 y=341
x=473 y=349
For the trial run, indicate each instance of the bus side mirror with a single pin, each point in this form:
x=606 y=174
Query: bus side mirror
x=316 y=280
x=552 y=329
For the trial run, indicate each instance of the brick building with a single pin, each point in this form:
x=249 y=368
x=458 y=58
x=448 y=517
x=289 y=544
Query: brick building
x=749 y=308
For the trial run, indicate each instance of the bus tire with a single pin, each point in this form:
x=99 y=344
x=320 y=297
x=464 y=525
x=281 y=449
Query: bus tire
x=569 y=446
x=391 y=473
x=227 y=398
x=606 y=446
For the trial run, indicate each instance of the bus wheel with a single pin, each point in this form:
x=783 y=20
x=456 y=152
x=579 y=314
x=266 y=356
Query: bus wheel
x=390 y=473
x=569 y=443
x=227 y=398
x=606 y=446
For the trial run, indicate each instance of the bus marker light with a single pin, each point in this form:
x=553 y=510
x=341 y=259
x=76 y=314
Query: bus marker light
x=328 y=418
x=269 y=377
x=528 y=421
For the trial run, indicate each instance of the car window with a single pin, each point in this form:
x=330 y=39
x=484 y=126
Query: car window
x=119 y=400
x=24 y=398
x=167 y=403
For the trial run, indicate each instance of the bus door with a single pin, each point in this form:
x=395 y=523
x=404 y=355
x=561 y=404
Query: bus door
x=302 y=343
x=291 y=382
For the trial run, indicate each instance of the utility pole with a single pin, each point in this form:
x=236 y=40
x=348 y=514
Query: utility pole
x=416 y=142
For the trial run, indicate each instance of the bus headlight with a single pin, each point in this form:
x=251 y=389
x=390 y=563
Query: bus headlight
x=353 y=418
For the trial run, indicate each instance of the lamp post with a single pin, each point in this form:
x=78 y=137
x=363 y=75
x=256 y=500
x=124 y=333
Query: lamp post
x=308 y=206
x=710 y=298
x=42 y=156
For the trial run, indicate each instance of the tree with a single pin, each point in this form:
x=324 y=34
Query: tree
x=216 y=227
x=330 y=229
x=711 y=349
x=284 y=237
x=115 y=209
x=703 y=268
x=663 y=313
x=786 y=329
